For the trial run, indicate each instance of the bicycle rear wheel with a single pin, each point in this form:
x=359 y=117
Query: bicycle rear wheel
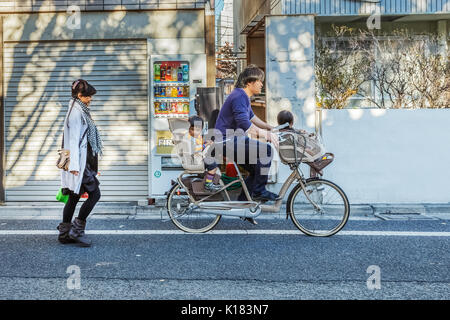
x=331 y=215
x=184 y=216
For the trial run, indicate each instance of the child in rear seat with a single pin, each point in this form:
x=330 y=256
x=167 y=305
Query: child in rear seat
x=198 y=145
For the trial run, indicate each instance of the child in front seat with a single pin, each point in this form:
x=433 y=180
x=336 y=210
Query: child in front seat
x=287 y=117
x=320 y=163
x=194 y=135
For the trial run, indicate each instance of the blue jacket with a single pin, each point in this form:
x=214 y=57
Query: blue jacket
x=235 y=113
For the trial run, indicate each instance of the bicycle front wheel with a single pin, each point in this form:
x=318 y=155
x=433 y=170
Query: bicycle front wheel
x=322 y=212
x=186 y=217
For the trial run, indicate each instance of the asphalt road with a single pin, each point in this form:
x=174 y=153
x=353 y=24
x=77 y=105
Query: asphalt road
x=232 y=264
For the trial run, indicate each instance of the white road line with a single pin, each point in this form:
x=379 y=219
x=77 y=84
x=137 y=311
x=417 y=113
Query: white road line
x=234 y=232
x=164 y=216
x=154 y=217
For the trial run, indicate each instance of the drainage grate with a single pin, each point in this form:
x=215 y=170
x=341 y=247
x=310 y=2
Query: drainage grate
x=404 y=216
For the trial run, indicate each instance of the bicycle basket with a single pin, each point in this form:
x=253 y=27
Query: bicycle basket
x=296 y=147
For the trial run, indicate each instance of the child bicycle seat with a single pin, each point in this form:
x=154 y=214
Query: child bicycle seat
x=189 y=160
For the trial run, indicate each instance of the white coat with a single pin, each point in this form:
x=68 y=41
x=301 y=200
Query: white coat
x=74 y=128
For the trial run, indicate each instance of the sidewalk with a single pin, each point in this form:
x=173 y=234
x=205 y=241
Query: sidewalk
x=54 y=209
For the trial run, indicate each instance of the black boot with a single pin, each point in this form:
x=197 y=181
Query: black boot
x=77 y=233
x=64 y=228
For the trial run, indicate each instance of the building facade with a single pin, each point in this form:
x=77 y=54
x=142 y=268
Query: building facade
x=45 y=45
x=370 y=145
x=264 y=43
x=225 y=23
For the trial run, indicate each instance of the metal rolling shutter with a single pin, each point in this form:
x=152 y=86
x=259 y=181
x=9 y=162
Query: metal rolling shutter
x=38 y=77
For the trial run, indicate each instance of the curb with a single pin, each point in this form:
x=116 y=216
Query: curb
x=55 y=209
x=133 y=209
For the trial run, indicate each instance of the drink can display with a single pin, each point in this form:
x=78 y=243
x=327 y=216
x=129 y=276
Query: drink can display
x=180 y=74
x=174 y=73
x=157 y=72
x=171 y=88
x=163 y=107
x=163 y=73
x=185 y=72
x=174 y=92
x=180 y=107
x=169 y=73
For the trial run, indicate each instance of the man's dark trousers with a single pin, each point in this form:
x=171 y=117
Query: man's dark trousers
x=253 y=156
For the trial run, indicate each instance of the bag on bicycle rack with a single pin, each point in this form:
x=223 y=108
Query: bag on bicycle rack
x=296 y=146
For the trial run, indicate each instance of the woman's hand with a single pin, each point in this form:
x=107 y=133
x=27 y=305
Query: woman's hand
x=76 y=173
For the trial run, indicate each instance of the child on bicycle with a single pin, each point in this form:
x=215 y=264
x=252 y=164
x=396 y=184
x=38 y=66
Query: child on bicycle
x=320 y=163
x=194 y=135
x=287 y=117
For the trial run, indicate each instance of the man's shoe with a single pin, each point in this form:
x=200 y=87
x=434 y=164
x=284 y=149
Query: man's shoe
x=242 y=197
x=265 y=196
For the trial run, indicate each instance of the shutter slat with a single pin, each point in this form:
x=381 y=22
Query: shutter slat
x=37 y=93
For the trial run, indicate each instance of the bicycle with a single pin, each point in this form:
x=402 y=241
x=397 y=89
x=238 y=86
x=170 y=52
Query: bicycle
x=316 y=206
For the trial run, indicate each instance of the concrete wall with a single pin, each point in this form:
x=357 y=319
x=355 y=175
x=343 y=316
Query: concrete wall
x=389 y=156
x=290 y=67
x=97 y=5
x=386 y=156
x=106 y=25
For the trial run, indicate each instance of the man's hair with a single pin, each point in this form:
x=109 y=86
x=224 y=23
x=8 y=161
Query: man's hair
x=195 y=121
x=285 y=116
x=83 y=87
x=250 y=74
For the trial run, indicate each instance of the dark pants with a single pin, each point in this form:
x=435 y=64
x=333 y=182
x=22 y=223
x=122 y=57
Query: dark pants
x=86 y=208
x=253 y=156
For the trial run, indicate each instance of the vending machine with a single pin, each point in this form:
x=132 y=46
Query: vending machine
x=172 y=89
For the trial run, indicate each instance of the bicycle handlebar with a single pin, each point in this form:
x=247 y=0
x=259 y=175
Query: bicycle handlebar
x=282 y=126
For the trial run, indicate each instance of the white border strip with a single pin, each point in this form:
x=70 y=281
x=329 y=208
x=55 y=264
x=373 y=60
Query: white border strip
x=165 y=217
x=233 y=232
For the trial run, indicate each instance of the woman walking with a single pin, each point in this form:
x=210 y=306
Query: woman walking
x=82 y=138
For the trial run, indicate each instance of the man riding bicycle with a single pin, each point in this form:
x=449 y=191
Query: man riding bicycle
x=236 y=121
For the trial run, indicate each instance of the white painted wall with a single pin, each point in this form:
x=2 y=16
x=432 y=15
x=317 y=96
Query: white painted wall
x=386 y=156
x=290 y=67
x=389 y=156
x=382 y=156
